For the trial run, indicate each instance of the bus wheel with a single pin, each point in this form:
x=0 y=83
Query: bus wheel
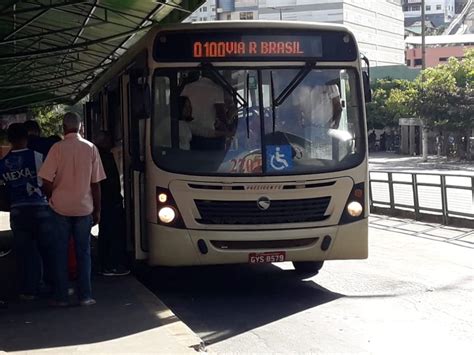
x=308 y=267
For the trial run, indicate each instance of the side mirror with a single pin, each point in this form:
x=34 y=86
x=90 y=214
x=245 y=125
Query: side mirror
x=140 y=101
x=367 y=90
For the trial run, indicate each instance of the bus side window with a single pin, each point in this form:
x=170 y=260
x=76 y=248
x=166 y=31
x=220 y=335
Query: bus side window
x=162 y=111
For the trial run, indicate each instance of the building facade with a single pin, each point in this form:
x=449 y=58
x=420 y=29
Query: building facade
x=378 y=25
x=207 y=12
x=438 y=49
x=439 y=12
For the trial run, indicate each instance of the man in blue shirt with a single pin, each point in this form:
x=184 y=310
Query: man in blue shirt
x=30 y=216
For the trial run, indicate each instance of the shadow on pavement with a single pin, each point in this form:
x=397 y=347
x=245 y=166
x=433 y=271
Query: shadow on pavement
x=220 y=302
x=124 y=307
x=8 y=281
x=121 y=311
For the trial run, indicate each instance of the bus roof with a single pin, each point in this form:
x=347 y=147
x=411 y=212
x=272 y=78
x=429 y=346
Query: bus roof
x=253 y=24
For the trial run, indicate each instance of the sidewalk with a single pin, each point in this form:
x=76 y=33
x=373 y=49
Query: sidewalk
x=392 y=161
x=126 y=319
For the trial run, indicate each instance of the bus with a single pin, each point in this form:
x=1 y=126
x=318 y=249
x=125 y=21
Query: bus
x=240 y=142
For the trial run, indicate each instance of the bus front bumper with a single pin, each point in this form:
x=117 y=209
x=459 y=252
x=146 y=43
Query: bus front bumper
x=181 y=247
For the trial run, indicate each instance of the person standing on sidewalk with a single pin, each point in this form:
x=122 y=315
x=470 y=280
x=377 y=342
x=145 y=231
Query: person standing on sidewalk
x=71 y=174
x=30 y=216
x=112 y=242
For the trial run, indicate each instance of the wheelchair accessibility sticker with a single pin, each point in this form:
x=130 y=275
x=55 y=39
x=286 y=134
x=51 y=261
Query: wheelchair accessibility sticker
x=279 y=158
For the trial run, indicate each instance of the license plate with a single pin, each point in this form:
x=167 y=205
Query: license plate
x=261 y=258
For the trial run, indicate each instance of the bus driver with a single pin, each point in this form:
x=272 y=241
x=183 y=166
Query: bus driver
x=207 y=101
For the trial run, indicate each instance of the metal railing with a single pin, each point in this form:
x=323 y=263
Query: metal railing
x=443 y=195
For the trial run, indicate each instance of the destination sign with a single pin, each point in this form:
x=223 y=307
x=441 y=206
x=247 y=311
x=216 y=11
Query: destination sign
x=254 y=45
x=258 y=47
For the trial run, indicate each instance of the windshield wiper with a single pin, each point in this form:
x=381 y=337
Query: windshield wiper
x=247 y=95
x=272 y=98
x=294 y=83
x=225 y=84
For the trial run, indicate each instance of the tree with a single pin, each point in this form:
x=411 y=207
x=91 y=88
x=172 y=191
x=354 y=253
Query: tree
x=49 y=118
x=389 y=102
x=445 y=98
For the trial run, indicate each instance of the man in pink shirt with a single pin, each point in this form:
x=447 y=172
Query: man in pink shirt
x=71 y=175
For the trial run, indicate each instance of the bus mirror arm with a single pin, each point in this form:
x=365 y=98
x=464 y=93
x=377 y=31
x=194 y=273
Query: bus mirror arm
x=366 y=80
x=367 y=90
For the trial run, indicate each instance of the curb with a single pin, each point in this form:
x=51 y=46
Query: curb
x=175 y=326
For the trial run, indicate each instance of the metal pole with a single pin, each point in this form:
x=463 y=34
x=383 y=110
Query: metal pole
x=423 y=67
x=281 y=15
x=423 y=39
x=416 y=202
x=444 y=200
x=390 y=191
x=371 y=204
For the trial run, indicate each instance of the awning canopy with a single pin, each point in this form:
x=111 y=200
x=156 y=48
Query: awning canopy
x=52 y=50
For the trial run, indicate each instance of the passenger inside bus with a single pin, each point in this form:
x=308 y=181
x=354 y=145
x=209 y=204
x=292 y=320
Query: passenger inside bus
x=207 y=100
x=185 y=117
x=326 y=103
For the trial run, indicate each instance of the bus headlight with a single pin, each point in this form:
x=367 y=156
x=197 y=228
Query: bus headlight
x=354 y=209
x=167 y=211
x=167 y=214
x=162 y=197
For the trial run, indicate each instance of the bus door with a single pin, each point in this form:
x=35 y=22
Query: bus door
x=134 y=107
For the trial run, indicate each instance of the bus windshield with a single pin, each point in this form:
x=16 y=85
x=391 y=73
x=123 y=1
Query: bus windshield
x=257 y=121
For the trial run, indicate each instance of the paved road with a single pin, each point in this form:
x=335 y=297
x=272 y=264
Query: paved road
x=413 y=295
x=434 y=164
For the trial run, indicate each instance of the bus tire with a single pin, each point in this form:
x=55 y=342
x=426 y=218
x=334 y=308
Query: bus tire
x=307 y=267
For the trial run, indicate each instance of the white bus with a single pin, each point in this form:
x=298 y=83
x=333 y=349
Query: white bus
x=240 y=142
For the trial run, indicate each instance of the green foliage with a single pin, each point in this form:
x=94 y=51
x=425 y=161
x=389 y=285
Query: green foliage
x=50 y=119
x=443 y=97
x=390 y=101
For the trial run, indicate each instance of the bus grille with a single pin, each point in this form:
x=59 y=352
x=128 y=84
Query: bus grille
x=247 y=212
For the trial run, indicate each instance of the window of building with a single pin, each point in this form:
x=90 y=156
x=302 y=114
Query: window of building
x=246 y=15
x=428 y=8
x=204 y=8
x=416 y=8
x=213 y=9
x=229 y=17
x=438 y=7
x=443 y=59
x=408 y=62
x=417 y=62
